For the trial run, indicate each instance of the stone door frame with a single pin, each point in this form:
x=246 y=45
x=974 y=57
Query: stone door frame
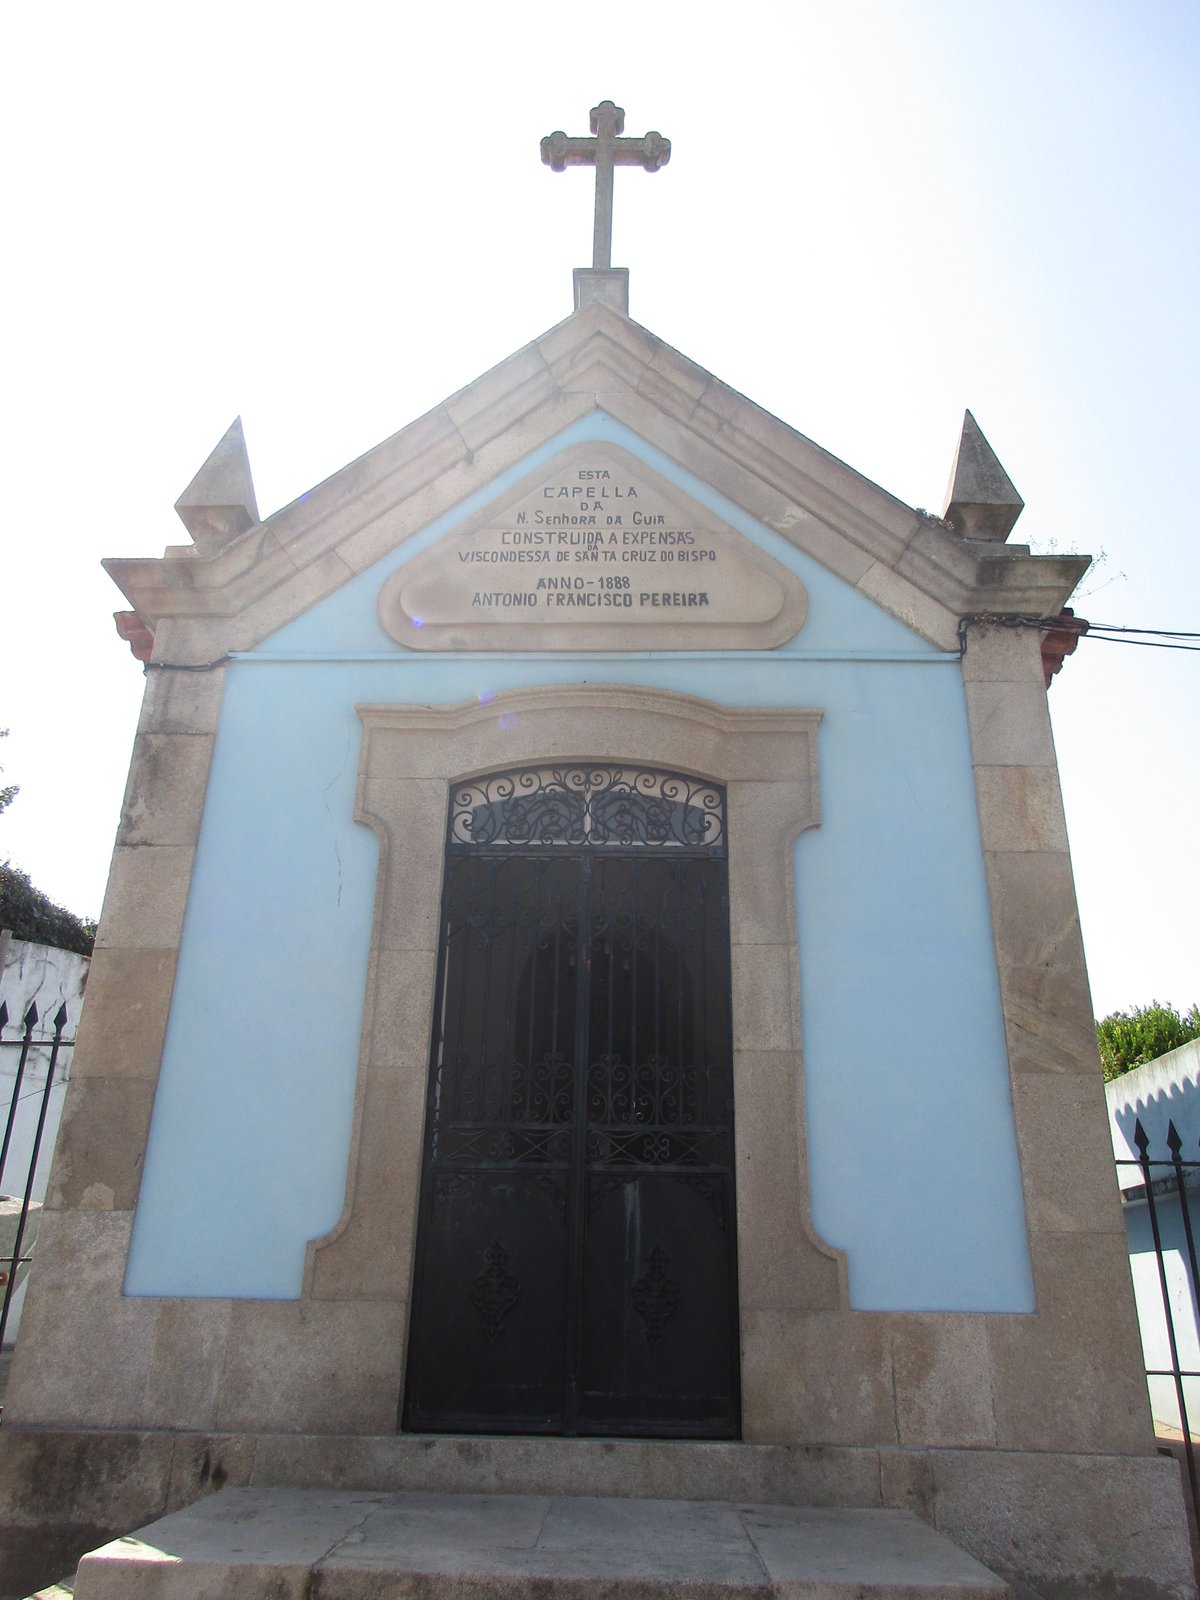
x=766 y=759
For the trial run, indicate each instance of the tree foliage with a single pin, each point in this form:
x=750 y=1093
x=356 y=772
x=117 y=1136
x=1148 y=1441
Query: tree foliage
x=30 y=915
x=8 y=791
x=1128 y=1039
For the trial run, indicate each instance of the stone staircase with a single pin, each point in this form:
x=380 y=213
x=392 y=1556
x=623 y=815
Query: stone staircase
x=305 y=1544
x=222 y=1516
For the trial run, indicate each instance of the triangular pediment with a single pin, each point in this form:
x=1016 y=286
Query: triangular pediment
x=908 y=563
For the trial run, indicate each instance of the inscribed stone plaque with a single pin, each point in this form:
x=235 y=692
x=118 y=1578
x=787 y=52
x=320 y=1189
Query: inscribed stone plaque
x=594 y=551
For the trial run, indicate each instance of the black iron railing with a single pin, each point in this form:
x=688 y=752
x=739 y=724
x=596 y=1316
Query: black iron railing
x=1176 y=1177
x=26 y=1043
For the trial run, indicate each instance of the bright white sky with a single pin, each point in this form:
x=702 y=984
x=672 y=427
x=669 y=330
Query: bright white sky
x=877 y=213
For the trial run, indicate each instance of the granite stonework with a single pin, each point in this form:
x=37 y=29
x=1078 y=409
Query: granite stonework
x=1043 y=1521
x=1024 y=1437
x=347 y=1546
x=751 y=750
x=907 y=561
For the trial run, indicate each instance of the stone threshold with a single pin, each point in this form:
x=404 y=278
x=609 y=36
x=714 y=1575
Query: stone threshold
x=291 y=1544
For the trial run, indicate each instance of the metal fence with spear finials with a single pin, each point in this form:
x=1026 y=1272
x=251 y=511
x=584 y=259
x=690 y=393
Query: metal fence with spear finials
x=1167 y=1183
x=14 y=1254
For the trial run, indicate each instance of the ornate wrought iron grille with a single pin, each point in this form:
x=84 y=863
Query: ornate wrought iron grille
x=576 y=1259
x=598 y=807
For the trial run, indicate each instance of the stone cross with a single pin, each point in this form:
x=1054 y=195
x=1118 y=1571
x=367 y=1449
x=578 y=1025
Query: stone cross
x=605 y=152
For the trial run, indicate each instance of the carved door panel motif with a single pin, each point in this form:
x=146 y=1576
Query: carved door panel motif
x=576 y=1267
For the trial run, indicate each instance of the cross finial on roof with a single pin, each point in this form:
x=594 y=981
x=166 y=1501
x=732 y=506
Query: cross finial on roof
x=605 y=151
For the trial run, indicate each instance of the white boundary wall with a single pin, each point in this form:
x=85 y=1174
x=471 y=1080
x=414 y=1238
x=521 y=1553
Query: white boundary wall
x=1159 y=1093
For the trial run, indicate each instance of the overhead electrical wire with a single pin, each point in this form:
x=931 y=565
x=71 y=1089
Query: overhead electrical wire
x=1150 y=638
x=1114 y=633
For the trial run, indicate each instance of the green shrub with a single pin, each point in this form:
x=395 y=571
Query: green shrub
x=1128 y=1039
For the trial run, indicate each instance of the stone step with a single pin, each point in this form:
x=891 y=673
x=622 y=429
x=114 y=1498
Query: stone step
x=664 y=1469
x=305 y=1544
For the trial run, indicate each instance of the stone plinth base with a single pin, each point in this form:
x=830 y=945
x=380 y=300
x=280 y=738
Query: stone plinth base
x=602 y=286
x=1060 y=1525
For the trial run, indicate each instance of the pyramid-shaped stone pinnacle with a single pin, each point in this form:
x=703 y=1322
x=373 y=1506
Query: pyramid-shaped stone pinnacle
x=981 y=502
x=219 y=502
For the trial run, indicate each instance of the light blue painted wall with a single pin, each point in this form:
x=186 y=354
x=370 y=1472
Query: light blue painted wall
x=912 y=1148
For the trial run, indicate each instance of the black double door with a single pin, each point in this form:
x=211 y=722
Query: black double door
x=576 y=1267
